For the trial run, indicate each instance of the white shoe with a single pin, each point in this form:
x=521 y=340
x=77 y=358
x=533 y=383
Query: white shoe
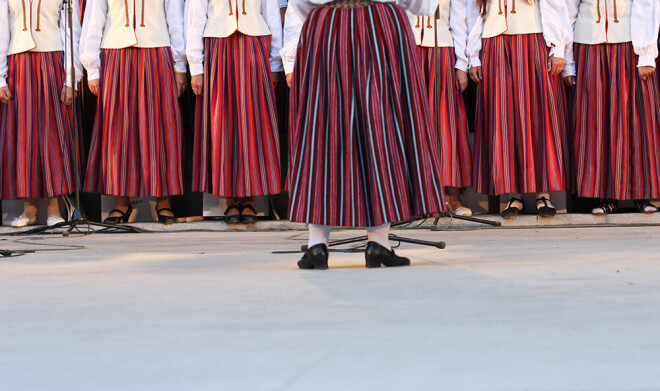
x=463 y=212
x=52 y=220
x=23 y=221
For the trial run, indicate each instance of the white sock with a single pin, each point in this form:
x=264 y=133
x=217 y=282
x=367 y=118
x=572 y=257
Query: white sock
x=319 y=234
x=540 y=204
x=380 y=235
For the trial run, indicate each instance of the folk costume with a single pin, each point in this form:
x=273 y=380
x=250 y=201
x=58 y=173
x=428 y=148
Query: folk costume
x=616 y=113
x=235 y=46
x=36 y=126
x=135 y=48
x=521 y=140
x=363 y=152
x=449 y=115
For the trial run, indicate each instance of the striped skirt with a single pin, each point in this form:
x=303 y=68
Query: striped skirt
x=236 y=152
x=617 y=128
x=363 y=151
x=137 y=140
x=455 y=156
x=36 y=129
x=521 y=141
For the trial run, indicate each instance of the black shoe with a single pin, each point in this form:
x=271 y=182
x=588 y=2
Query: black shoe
x=512 y=212
x=248 y=219
x=233 y=219
x=606 y=207
x=123 y=219
x=644 y=206
x=546 y=210
x=316 y=257
x=377 y=255
x=165 y=219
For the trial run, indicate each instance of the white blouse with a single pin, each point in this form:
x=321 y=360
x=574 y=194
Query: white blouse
x=298 y=10
x=10 y=10
x=555 y=26
x=644 y=25
x=250 y=24
x=97 y=19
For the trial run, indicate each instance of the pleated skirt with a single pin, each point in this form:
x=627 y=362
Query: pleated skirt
x=521 y=139
x=363 y=151
x=36 y=129
x=236 y=152
x=452 y=127
x=137 y=141
x=617 y=125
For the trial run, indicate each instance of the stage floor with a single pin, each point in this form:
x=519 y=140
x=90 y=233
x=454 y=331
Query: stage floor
x=505 y=309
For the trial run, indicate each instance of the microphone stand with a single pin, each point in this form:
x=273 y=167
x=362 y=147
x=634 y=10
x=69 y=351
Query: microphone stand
x=436 y=81
x=78 y=217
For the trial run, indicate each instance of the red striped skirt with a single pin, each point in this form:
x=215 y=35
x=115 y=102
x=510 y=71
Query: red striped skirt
x=521 y=141
x=363 y=150
x=456 y=159
x=236 y=152
x=36 y=129
x=617 y=129
x=137 y=142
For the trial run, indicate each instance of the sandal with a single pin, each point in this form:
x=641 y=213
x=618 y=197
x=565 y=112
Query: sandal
x=511 y=211
x=607 y=206
x=165 y=219
x=546 y=210
x=644 y=206
x=248 y=219
x=233 y=219
x=122 y=219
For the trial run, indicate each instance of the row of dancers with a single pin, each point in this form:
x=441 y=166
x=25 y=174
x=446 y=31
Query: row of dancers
x=351 y=168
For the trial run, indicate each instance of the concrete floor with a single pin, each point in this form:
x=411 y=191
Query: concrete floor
x=501 y=309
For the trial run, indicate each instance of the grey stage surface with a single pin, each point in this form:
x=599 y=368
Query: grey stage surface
x=553 y=309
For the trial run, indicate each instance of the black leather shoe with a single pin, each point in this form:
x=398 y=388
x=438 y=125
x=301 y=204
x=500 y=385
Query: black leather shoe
x=233 y=219
x=377 y=255
x=248 y=219
x=123 y=219
x=546 y=210
x=511 y=212
x=316 y=257
x=165 y=219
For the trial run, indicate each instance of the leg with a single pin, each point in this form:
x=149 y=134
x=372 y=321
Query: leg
x=545 y=207
x=29 y=215
x=121 y=213
x=233 y=211
x=54 y=214
x=248 y=211
x=316 y=256
x=379 y=252
x=380 y=235
x=165 y=214
x=455 y=203
x=514 y=208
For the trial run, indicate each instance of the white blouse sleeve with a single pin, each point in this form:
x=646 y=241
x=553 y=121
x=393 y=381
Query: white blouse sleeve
x=556 y=27
x=195 y=41
x=474 y=38
x=4 y=41
x=91 y=37
x=458 y=23
x=644 y=31
x=270 y=10
x=572 y=7
x=174 y=15
x=64 y=32
x=419 y=7
x=292 y=27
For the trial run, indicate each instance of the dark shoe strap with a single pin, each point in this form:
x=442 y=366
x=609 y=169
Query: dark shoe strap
x=512 y=200
x=642 y=204
x=544 y=200
x=119 y=211
x=608 y=205
x=233 y=206
x=164 y=210
x=248 y=206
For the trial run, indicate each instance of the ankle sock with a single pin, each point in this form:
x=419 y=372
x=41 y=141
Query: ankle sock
x=380 y=235
x=319 y=234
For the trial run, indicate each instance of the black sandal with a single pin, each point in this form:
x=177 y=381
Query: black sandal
x=248 y=219
x=511 y=211
x=641 y=206
x=233 y=219
x=165 y=219
x=123 y=219
x=607 y=206
x=546 y=210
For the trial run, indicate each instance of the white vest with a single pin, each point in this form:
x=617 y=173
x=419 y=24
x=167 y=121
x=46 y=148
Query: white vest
x=225 y=17
x=512 y=17
x=37 y=29
x=592 y=28
x=142 y=24
x=423 y=28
